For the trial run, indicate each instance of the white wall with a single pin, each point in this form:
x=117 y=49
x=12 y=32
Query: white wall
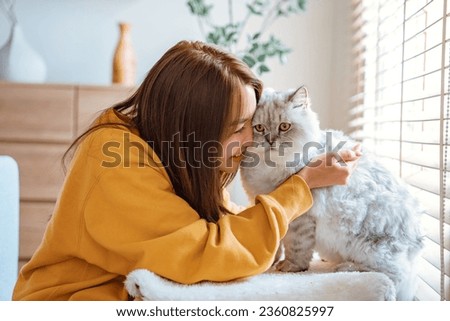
x=77 y=38
x=320 y=58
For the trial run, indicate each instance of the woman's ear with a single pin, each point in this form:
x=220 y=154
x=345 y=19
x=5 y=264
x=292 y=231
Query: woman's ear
x=300 y=98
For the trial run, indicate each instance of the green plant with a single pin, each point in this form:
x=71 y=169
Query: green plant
x=257 y=48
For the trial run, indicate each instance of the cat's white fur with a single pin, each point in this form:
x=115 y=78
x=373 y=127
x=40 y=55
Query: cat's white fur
x=370 y=224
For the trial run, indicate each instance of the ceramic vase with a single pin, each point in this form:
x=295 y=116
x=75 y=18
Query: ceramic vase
x=19 y=62
x=124 y=63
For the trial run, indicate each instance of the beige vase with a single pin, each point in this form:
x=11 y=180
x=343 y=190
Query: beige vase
x=124 y=63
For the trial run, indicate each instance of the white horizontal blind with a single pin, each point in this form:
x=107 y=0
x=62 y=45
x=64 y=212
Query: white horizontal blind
x=400 y=111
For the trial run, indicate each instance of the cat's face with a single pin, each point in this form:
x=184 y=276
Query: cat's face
x=283 y=122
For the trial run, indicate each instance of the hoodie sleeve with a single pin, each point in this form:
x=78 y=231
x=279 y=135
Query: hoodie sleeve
x=133 y=219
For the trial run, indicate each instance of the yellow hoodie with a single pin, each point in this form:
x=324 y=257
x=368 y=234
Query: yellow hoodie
x=116 y=214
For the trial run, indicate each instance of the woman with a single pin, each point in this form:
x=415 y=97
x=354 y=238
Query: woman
x=145 y=187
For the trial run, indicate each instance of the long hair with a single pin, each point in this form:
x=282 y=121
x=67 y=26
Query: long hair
x=189 y=95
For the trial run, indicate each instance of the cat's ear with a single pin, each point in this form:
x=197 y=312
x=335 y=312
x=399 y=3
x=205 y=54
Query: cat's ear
x=300 y=98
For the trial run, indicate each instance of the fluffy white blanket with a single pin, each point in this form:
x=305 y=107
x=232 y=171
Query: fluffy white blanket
x=306 y=286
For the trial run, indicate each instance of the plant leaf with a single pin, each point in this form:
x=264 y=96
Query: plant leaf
x=261 y=58
x=199 y=8
x=249 y=60
x=253 y=10
x=301 y=4
x=282 y=58
x=262 y=69
x=254 y=48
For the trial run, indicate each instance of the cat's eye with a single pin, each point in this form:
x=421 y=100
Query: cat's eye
x=284 y=127
x=259 y=128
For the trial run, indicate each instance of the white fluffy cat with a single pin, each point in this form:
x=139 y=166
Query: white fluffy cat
x=370 y=224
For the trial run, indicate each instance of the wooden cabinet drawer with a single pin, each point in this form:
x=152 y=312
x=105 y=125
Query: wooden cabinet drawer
x=38 y=122
x=92 y=100
x=36 y=113
x=40 y=171
x=33 y=221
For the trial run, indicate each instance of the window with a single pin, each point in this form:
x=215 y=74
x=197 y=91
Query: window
x=400 y=111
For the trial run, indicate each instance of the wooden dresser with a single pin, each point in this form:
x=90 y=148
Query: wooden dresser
x=37 y=124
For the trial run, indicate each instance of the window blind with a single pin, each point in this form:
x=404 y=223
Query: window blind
x=400 y=111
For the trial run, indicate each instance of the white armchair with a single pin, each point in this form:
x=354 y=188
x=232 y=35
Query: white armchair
x=9 y=225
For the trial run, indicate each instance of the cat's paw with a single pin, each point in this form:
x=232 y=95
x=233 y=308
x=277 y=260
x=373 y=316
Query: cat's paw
x=288 y=266
x=351 y=267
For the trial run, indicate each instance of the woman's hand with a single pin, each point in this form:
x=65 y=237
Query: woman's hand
x=328 y=169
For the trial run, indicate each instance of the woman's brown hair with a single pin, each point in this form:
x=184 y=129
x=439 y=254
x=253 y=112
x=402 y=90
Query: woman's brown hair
x=188 y=94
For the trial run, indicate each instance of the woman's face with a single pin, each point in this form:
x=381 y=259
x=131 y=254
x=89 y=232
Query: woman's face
x=242 y=132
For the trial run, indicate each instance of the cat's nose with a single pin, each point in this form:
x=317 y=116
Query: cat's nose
x=269 y=139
